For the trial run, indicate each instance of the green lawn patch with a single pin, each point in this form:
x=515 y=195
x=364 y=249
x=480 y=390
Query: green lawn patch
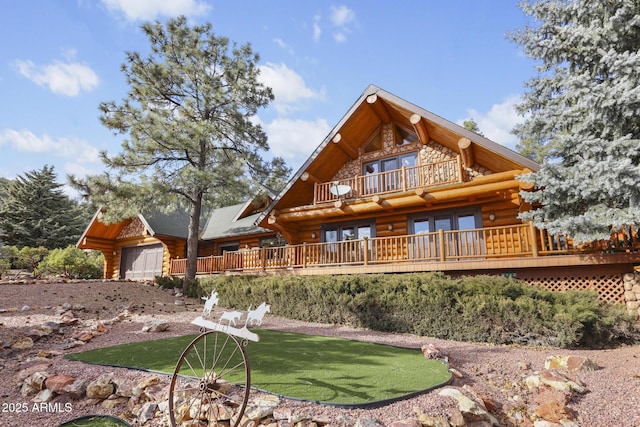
x=308 y=367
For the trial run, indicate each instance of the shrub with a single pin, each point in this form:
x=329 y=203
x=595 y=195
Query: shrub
x=169 y=282
x=473 y=308
x=72 y=262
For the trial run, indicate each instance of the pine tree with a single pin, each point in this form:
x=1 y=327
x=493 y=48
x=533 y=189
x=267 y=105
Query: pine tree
x=35 y=212
x=583 y=115
x=192 y=141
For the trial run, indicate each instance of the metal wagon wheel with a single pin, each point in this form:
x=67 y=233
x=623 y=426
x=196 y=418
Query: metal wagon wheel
x=211 y=381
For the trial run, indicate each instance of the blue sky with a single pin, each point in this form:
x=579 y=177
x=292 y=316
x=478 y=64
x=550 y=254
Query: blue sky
x=60 y=58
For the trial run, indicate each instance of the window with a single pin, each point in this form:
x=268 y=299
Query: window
x=228 y=247
x=404 y=136
x=374 y=144
x=386 y=174
x=345 y=232
x=426 y=244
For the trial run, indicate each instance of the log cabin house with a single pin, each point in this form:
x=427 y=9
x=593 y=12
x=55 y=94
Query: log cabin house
x=393 y=188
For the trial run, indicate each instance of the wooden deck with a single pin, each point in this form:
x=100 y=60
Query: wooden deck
x=507 y=247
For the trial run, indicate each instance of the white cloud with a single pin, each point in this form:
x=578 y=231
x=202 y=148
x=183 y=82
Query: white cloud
x=295 y=140
x=497 y=123
x=67 y=79
x=135 y=10
x=284 y=46
x=289 y=89
x=317 y=31
x=343 y=18
x=25 y=141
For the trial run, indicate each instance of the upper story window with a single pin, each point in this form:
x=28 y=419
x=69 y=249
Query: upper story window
x=404 y=136
x=374 y=144
x=390 y=163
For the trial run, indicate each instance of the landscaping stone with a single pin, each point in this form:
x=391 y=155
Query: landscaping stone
x=155 y=326
x=56 y=383
x=45 y=395
x=367 y=422
x=571 y=363
x=471 y=410
x=101 y=388
x=22 y=343
x=553 y=411
x=76 y=390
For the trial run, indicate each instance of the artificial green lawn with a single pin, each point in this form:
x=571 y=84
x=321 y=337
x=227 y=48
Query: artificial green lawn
x=308 y=367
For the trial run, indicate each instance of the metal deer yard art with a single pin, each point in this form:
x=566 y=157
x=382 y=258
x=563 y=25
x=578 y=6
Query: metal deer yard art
x=211 y=382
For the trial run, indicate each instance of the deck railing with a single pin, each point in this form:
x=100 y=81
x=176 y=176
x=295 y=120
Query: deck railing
x=406 y=178
x=479 y=244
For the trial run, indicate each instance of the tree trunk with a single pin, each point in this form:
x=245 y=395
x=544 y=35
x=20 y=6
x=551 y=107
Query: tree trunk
x=192 y=238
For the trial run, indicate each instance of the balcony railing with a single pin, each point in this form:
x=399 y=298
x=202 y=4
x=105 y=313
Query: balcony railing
x=516 y=241
x=407 y=178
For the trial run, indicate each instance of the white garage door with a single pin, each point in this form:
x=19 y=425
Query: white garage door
x=141 y=262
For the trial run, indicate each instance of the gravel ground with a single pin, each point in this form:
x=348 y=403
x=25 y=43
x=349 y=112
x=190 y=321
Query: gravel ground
x=497 y=372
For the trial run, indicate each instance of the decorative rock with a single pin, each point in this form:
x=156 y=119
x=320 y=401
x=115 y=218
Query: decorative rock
x=155 y=326
x=76 y=389
x=25 y=308
x=179 y=302
x=557 y=381
x=56 y=383
x=43 y=396
x=101 y=388
x=430 y=351
x=368 y=422
x=147 y=412
x=262 y=407
x=429 y=421
x=553 y=411
x=22 y=343
x=33 y=384
x=112 y=403
x=31 y=368
x=571 y=363
x=471 y=410
x=456 y=419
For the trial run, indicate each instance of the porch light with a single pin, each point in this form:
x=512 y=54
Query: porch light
x=313 y=234
x=492 y=216
x=390 y=226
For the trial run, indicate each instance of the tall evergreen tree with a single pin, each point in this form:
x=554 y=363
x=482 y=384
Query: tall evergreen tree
x=583 y=115
x=35 y=212
x=471 y=125
x=192 y=141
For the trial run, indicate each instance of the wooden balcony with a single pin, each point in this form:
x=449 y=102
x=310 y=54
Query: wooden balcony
x=482 y=248
x=399 y=180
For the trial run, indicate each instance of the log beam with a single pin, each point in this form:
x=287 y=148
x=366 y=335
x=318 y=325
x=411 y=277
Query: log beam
x=420 y=128
x=379 y=109
x=337 y=139
x=307 y=177
x=466 y=152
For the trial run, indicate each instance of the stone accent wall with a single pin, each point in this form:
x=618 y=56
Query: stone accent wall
x=430 y=153
x=134 y=229
x=631 y=283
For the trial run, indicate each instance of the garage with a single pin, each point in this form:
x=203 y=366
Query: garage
x=141 y=262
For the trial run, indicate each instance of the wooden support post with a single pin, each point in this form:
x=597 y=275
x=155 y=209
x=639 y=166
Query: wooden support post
x=443 y=256
x=379 y=108
x=403 y=178
x=534 y=239
x=304 y=254
x=263 y=258
x=420 y=128
x=366 y=251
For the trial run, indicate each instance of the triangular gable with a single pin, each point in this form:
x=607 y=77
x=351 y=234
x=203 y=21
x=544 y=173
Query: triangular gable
x=373 y=109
